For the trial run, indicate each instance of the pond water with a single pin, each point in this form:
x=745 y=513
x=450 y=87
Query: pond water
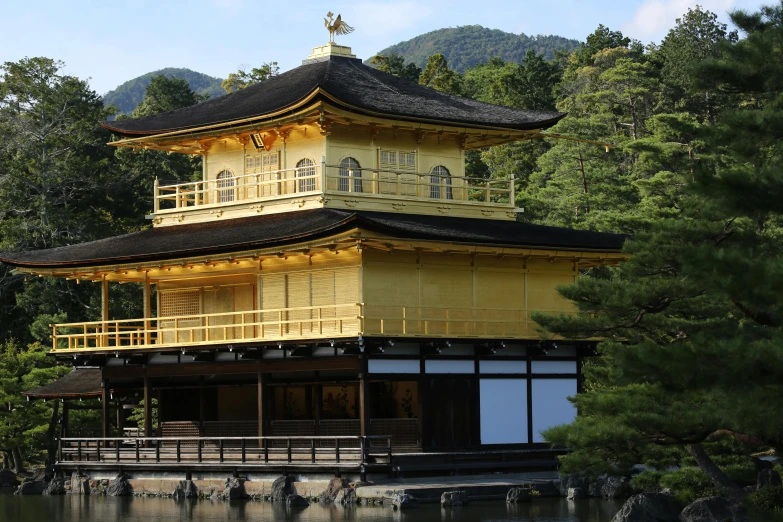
x=68 y=508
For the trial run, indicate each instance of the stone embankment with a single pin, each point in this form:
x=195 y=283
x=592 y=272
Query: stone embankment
x=643 y=507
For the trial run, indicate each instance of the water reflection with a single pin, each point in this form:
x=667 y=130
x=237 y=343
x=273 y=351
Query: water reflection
x=100 y=509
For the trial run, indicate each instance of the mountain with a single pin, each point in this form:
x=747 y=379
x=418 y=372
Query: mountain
x=470 y=45
x=128 y=95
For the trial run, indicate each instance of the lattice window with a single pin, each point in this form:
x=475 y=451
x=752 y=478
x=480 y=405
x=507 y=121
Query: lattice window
x=397 y=160
x=350 y=168
x=225 y=184
x=306 y=170
x=404 y=164
x=175 y=303
x=440 y=175
x=266 y=162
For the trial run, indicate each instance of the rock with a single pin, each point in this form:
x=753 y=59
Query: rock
x=762 y=464
x=80 y=485
x=345 y=497
x=8 y=479
x=454 y=498
x=594 y=489
x=516 y=495
x=234 y=488
x=120 y=487
x=572 y=480
x=714 y=509
x=575 y=493
x=403 y=501
x=31 y=487
x=548 y=488
x=649 y=507
x=282 y=487
x=768 y=478
x=335 y=486
x=616 y=487
x=185 y=489
x=296 y=501
x=55 y=487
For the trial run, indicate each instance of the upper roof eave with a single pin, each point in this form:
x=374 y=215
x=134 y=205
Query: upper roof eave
x=347 y=82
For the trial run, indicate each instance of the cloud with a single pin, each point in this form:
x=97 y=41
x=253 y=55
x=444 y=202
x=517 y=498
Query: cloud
x=653 y=18
x=384 y=18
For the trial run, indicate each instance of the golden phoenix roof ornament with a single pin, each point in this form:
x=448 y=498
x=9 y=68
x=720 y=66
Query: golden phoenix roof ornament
x=338 y=27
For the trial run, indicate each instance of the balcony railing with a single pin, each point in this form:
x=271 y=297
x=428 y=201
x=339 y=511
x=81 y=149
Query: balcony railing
x=313 y=322
x=355 y=450
x=322 y=179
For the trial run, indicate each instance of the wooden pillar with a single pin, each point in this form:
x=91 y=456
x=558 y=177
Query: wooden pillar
x=104 y=310
x=147 y=410
x=105 y=408
x=160 y=413
x=120 y=417
x=364 y=410
x=261 y=398
x=147 y=307
x=201 y=405
x=64 y=427
x=317 y=402
x=104 y=298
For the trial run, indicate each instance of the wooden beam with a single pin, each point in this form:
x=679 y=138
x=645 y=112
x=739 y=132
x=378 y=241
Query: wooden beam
x=233 y=368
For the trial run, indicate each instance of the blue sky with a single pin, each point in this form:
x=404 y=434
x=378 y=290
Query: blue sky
x=116 y=40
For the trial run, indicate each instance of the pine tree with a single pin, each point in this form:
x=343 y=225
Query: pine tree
x=693 y=318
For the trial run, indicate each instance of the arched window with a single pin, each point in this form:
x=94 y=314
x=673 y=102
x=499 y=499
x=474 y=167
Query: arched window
x=225 y=185
x=439 y=176
x=306 y=169
x=350 y=168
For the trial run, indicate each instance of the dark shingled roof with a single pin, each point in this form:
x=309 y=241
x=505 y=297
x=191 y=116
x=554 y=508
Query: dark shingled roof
x=217 y=237
x=81 y=382
x=351 y=82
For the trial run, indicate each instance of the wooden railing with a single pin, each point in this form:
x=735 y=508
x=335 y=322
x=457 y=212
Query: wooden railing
x=204 y=329
x=236 y=189
x=321 y=179
x=311 y=322
x=226 y=450
x=419 y=185
x=450 y=322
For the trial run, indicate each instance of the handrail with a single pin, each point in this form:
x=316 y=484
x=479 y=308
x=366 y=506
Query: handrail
x=172 y=449
x=323 y=178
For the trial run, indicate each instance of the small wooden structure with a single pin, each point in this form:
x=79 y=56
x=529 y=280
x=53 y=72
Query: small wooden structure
x=334 y=291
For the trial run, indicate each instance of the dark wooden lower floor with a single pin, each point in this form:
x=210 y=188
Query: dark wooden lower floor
x=334 y=455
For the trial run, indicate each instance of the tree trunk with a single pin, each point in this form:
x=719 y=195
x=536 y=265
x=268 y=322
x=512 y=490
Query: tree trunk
x=18 y=462
x=51 y=435
x=6 y=460
x=718 y=477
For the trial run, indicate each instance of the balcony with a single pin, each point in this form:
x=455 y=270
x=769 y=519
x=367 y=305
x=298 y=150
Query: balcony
x=335 y=187
x=293 y=324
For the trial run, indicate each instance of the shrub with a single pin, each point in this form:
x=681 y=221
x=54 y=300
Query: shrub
x=647 y=482
x=688 y=484
x=768 y=499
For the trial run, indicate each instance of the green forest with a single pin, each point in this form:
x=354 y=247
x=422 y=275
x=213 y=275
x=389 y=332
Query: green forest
x=691 y=362
x=470 y=45
x=127 y=96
